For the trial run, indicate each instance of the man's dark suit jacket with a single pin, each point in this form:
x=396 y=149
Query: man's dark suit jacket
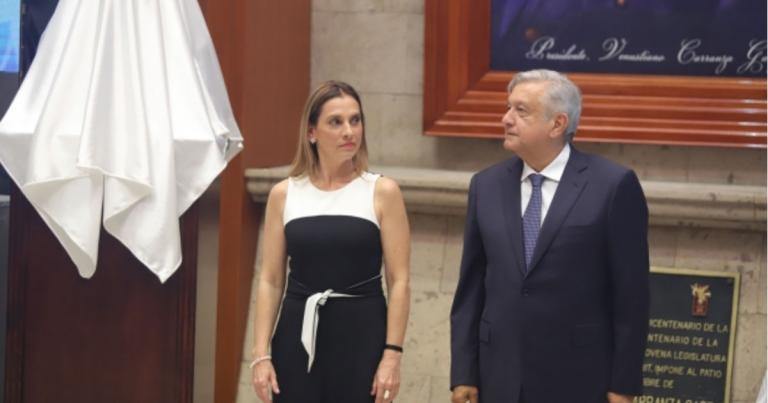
x=572 y=328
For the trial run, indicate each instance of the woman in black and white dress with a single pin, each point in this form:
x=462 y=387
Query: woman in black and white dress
x=337 y=338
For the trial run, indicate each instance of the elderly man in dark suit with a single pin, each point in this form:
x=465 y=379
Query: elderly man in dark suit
x=552 y=300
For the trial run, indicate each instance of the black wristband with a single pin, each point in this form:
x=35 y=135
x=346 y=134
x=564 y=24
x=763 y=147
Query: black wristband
x=393 y=348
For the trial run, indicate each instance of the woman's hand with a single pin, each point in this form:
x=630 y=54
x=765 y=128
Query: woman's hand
x=386 y=382
x=264 y=378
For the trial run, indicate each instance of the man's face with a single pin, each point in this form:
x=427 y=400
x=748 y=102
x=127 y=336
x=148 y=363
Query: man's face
x=528 y=128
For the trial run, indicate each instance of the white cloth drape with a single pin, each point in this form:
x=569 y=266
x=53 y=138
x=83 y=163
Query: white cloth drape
x=123 y=119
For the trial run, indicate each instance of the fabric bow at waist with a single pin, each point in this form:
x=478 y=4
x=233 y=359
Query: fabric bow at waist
x=312 y=310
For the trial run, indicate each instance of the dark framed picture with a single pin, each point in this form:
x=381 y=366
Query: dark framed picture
x=659 y=37
x=465 y=88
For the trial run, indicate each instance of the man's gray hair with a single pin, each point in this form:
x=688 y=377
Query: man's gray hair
x=562 y=96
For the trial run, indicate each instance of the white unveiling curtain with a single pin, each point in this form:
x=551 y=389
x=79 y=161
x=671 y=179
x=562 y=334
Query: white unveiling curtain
x=122 y=120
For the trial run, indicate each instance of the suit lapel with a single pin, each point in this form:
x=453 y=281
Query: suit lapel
x=571 y=185
x=510 y=191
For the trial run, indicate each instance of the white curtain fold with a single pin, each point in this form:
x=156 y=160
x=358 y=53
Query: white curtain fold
x=123 y=120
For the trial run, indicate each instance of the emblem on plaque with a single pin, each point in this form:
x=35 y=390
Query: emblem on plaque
x=701 y=296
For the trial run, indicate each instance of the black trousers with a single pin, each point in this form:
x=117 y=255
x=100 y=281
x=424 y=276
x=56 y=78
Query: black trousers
x=350 y=341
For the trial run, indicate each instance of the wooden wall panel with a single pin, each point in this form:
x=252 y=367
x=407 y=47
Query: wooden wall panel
x=121 y=336
x=263 y=48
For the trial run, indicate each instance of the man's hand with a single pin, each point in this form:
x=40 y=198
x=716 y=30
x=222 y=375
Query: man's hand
x=617 y=398
x=464 y=394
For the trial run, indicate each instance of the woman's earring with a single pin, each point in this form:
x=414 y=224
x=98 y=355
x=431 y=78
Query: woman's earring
x=312 y=141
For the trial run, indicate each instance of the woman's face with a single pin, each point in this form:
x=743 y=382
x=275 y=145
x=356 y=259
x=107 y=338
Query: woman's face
x=339 y=130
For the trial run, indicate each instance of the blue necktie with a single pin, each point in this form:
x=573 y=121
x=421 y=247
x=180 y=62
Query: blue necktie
x=532 y=218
